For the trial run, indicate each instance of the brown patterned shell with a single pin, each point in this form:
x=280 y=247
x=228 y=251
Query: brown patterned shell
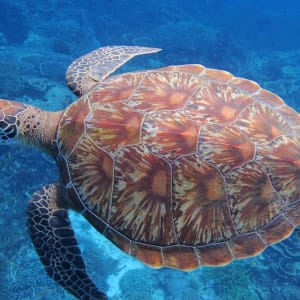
x=183 y=166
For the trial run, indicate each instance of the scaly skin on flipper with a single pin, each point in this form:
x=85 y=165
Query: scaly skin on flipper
x=88 y=70
x=53 y=237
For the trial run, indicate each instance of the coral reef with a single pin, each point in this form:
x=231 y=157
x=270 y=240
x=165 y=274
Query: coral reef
x=138 y=284
x=233 y=281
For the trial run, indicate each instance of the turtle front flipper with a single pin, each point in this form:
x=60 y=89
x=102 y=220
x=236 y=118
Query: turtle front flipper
x=53 y=237
x=88 y=70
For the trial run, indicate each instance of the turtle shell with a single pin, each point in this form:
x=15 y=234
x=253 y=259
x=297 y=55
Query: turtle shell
x=183 y=166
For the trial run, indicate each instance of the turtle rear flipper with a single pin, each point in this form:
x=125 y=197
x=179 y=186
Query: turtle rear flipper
x=53 y=237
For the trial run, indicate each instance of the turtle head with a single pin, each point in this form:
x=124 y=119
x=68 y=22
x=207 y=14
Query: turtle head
x=27 y=123
x=9 y=121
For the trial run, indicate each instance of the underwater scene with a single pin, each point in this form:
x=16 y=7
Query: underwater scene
x=254 y=39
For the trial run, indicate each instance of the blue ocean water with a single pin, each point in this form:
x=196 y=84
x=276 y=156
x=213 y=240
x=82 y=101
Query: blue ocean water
x=255 y=39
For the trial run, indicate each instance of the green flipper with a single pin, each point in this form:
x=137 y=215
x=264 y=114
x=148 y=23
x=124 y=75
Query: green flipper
x=53 y=237
x=88 y=70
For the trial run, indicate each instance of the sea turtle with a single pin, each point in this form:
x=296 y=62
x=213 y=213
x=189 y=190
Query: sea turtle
x=180 y=167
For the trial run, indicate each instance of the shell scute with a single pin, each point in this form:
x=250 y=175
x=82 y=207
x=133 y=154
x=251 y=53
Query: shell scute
x=290 y=114
x=215 y=255
x=262 y=123
x=170 y=133
x=115 y=89
x=114 y=126
x=253 y=200
x=141 y=198
x=269 y=98
x=281 y=158
x=279 y=229
x=246 y=245
x=246 y=85
x=226 y=147
x=91 y=170
x=164 y=91
x=191 y=68
x=292 y=213
x=151 y=255
x=180 y=257
x=216 y=102
x=72 y=125
x=201 y=214
x=217 y=75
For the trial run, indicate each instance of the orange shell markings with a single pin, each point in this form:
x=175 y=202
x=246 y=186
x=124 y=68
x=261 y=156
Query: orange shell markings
x=114 y=125
x=184 y=166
